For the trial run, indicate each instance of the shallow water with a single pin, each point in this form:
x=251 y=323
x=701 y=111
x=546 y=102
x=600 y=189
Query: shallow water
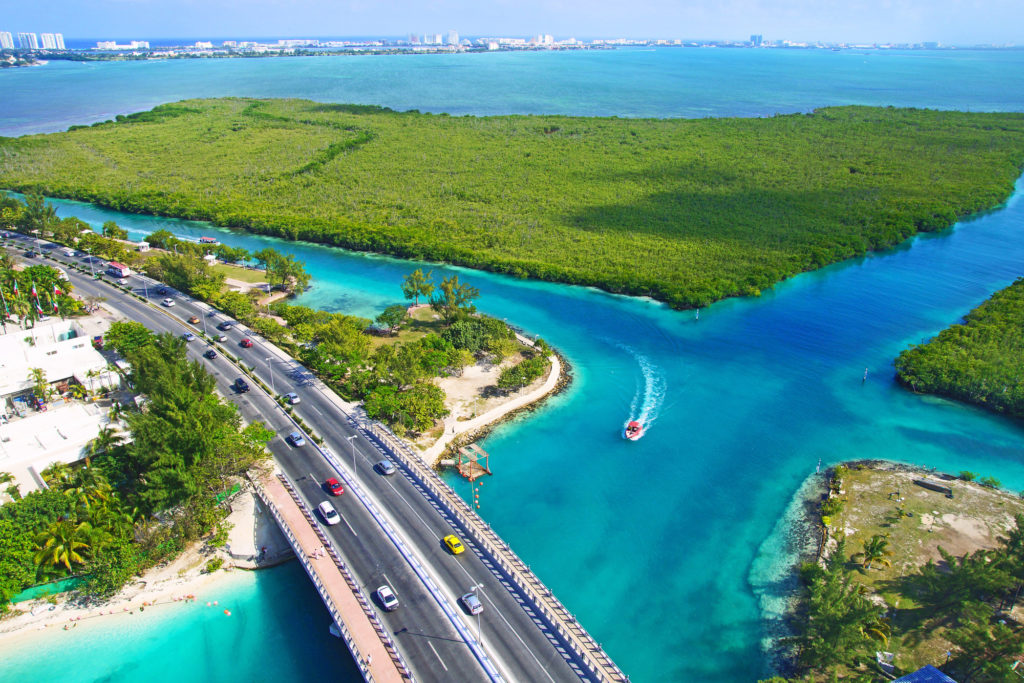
x=666 y=548
x=277 y=631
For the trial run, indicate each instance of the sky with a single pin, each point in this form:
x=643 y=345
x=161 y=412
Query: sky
x=958 y=22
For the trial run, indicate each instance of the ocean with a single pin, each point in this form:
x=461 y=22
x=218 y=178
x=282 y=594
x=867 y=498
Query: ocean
x=667 y=549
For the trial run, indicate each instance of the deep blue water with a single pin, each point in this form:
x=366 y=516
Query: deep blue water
x=666 y=548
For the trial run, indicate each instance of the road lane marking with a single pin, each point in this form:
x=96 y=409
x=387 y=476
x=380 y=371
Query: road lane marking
x=348 y=525
x=437 y=655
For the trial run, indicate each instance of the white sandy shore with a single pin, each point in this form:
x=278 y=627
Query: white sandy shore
x=181 y=581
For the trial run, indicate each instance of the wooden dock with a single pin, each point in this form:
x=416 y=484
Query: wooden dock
x=473 y=462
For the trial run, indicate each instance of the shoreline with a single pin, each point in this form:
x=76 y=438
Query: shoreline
x=559 y=377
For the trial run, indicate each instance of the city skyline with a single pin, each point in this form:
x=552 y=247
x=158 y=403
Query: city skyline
x=856 y=21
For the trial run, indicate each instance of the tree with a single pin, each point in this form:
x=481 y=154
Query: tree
x=126 y=337
x=417 y=284
x=229 y=254
x=40 y=387
x=454 y=299
x=39 y=216
x=392 y=317
x=876 y=549
x=161 y=239
x=113 y=231
x=62 y=543
x=986 y=651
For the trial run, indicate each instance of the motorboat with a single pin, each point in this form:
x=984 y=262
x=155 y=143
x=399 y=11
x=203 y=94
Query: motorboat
x=633 y=431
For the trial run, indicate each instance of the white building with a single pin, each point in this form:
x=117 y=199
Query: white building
x=28 y=41
x=52 y=41
x=32 y=439
x=6 y=40
x=453 y=37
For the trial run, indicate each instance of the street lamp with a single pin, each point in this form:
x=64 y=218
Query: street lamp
x=351 y=440
x=479 y=632
x=269 y=366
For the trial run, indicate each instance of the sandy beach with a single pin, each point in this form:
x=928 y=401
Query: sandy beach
x=254 y=542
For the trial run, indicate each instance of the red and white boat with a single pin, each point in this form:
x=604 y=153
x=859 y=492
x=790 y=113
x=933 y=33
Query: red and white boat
x=633 y=431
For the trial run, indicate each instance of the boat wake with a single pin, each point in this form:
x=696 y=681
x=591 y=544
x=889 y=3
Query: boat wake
x=650 y=392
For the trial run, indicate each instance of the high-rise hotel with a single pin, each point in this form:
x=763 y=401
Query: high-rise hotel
x=29 y=41
x=53 y=41
x=6 y=40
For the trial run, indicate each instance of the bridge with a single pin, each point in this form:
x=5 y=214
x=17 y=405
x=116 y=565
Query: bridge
x=392 y=526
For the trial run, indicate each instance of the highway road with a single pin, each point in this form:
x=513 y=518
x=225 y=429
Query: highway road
x=519 y=641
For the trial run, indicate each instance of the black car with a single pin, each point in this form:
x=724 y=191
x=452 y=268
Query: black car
x=211 y=354
x=162 y=291
x=241 y=386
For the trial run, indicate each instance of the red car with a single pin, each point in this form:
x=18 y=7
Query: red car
x=334 y=487
x=246 y=343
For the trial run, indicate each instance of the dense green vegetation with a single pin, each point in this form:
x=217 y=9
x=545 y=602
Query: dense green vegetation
x=136 y=502
x=980 y=361
x=687 y=211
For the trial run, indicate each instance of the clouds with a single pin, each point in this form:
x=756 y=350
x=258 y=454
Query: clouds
x=951 y=21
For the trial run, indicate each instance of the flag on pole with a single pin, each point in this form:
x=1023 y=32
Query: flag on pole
x=53 y=299
x=7 y=310
x=56 y=290
x=34 y=292
x=15 y=288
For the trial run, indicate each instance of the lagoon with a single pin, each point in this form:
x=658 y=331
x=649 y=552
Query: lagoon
x=742 y=404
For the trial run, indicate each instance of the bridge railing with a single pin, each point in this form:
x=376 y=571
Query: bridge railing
x=582 y=643
x=324 y=594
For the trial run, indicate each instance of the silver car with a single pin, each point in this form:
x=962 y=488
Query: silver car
x=472 y=603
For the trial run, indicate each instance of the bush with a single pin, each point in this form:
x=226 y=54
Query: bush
x=214 y=564
x=832 y=507
x=990 y=482
x=967 y=475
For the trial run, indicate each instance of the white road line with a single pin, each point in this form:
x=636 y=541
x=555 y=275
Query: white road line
x=348 y=525
x=386 y=579
x=437 y=655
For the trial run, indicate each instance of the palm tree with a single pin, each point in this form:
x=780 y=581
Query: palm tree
x=60 y=544
x=89 y=488
x=57 y=473
x=106 y=439
x=876 y=549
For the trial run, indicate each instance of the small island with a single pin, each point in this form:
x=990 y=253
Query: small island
x=909 y=568
x=685 y=211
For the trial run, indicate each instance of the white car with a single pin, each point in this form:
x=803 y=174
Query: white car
x=327 y=511
x=387 y=598
x=292 y=398
x=188 y=336
x=168 y=302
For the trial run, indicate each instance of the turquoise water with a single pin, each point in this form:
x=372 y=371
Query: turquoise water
x=277 y=631
x=667 y=548
x=664 y=82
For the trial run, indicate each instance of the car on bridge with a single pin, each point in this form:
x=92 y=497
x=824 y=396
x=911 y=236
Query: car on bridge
x=454 y=544
x=241 y=386
x=472 y=603
x=334 y=487
x=385 y=467
x=295 y=439
x=245 y=343
x=387 y=598
x=327 y=511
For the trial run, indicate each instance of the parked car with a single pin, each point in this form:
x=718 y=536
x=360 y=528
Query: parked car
x=387 y=598
x=188 y=336
x=472 y=603
x=246 y=343
x=292 y=397
x=334 y=487
x=194 y=320
x=295 y=439
x=168 y=302
x=210 y=353
x=328 y=512
x=454 y=544
x=385 y=467
x=241 y=386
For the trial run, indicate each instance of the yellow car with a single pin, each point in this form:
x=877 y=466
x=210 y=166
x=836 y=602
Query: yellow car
x=454 y=544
